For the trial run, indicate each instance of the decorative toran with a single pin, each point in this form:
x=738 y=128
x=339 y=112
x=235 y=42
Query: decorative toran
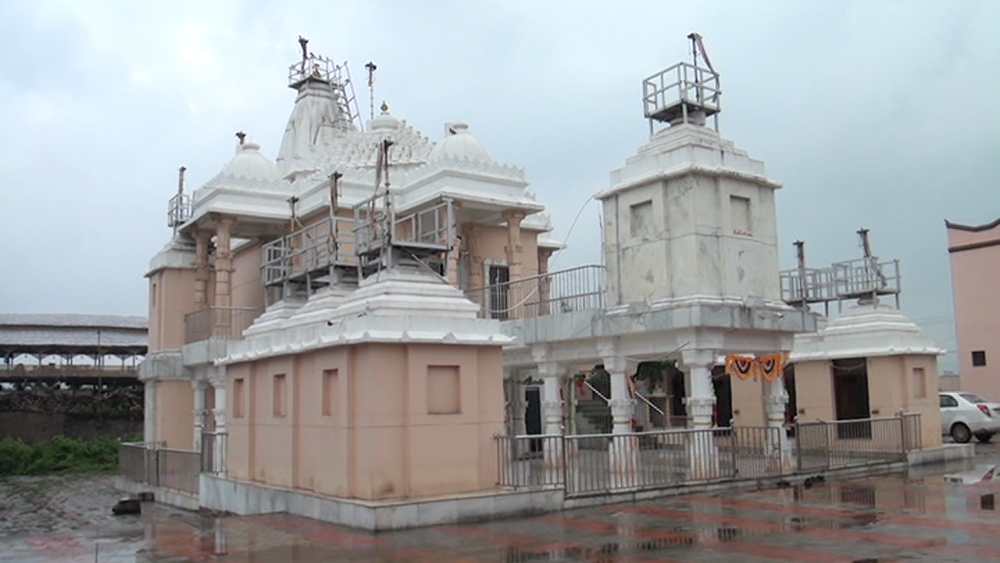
x=768 y=368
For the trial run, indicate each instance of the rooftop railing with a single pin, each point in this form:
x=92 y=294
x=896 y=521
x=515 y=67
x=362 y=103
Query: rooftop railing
x=310 y=250
x=682 y=83
x=850 y=279
x=218 y=322
x=574 y=289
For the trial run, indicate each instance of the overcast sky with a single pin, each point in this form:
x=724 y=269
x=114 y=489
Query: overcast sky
x=872 y=114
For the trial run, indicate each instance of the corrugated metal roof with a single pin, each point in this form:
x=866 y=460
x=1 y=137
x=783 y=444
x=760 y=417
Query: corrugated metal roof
x=70 y=320
x=72 y=333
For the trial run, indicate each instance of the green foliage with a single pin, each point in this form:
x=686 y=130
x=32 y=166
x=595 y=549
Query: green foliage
x=60 y=454
x=656 y=374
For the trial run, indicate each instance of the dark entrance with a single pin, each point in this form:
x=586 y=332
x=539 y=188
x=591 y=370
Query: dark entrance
x=678 y=410
x=533 y=415
x=850 y=395
x=723 y=386
x=792 y=408
x=499 y=276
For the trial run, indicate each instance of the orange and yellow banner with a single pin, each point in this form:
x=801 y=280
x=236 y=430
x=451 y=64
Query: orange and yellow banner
x=768 y=368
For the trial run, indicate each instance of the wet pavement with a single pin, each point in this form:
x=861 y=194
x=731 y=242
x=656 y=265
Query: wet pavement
x=916 y=517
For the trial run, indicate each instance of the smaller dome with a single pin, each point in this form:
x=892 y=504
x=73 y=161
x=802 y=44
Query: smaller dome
x=249 y=163
x=384 y=121
x=460 y=144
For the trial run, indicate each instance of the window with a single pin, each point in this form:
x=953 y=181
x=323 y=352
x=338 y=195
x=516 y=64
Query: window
x=947 y=401
x=978 y=358
x=443 y=390
x=238 y=398
x=919 y=383
x=330 y=391
x=279 y=395
x=641 y=219
x=742 y=220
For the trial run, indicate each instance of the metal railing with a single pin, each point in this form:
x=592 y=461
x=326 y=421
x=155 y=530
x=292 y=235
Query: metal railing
x=152 y=464
x=682 y=82
x=178 y=210
x=213 y=448
x=311 y=250
x=574 y=289
x=178 y=469
x=137 y=461
x=611 y=463
x=218 y=322
x=841 y=280
x=844 y=443
x=529 y=461
x=431 y=227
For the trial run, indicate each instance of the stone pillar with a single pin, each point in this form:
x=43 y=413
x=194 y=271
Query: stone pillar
x=223 y=270
x=514 y=248
x=201 y=240
x=475 y=258
x=218 y=381
x=199 y=386
x=543 y=282
x=552 y=405
x=703 y=455
x=149 y=411
x=623 y=447
x=777 y=448
x=451 y=263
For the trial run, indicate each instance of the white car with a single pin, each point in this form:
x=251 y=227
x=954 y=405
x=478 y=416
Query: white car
x=964 y=415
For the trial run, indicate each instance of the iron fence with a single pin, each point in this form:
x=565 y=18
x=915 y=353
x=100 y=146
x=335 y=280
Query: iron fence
x=178 y=469
x=529 y=461
x=137 y=461
x=588 y=464
x=220 y=322
x=829 y=445
x=149 y=463
x=575 y=289
x=213 y=448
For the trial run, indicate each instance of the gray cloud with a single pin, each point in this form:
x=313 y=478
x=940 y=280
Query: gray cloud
x=872 y=114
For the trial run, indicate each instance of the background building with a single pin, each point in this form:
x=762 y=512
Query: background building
x=975 y=264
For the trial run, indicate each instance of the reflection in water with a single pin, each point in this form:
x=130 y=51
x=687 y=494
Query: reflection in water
x=653 y=530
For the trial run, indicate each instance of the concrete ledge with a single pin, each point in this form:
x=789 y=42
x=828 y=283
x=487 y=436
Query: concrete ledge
x=941 y=454
x=162 y=495
x=244 y=498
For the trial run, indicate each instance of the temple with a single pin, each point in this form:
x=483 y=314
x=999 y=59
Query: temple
x=366 y=329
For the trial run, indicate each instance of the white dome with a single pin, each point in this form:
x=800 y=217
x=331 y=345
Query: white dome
x=863 y=331
x=460 y=144
x=384 y=121
x=249 y=163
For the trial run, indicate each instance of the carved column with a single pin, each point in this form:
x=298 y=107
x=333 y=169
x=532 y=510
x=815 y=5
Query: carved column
x=543 y=282
x=451 y=264
x=514 y=248
x=623 y=447
x=149 y=411
x=470 y=234
x=217 y=377
x=223 y=270
x=703 y=454
x=199 y=386
x=778 y=450
x=552 y=404
x=201 y=241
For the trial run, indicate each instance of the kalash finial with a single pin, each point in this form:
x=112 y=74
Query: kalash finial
x=241 y=136
x=303 y=42
x=385 y=107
